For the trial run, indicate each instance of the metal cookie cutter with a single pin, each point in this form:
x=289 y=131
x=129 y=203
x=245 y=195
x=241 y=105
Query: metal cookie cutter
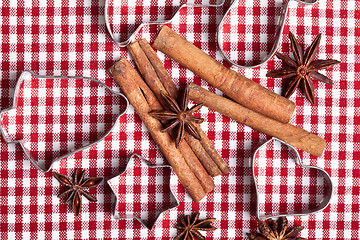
x=278 y=32
x=46 y=124
x=133 y=34
x=136 y=204
x=323 y=204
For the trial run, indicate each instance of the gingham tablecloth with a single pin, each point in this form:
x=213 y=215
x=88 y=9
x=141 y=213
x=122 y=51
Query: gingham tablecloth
x=69 y=38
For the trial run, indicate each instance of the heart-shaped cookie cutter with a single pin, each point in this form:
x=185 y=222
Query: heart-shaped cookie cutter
x=150 y=225
x=24 y=75
x=278 y=33
x=323 y=204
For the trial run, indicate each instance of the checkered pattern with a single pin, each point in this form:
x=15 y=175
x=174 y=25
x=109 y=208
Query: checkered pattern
x=125 y=16
x=256 y=23
x=286 y=187
x=143 y=191
x=56 y=116
x=69 y=38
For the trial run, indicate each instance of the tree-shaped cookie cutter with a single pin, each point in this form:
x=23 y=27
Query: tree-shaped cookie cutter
x=25 y=75
x=322 y=205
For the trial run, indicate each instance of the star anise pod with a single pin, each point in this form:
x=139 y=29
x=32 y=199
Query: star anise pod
x=190 y=227
x=276 y=230
x=178 y=116
x=303 y=68
x=76 y=188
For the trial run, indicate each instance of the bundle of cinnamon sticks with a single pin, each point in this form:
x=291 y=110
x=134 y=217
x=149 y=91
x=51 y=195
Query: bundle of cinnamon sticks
x=194 y=161
x=251 y=104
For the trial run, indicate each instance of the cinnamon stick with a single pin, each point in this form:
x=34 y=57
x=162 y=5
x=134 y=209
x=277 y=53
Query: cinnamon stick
x=205 y=159
x=143 y=102
x=291 y=134
x=170 y=87
x=159 y=81
x=241 y=89
x=190 y=158
x=210 y=149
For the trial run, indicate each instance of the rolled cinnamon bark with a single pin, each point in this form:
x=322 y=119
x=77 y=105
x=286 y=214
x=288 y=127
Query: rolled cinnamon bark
x=291 y=134
x=190 y=158
x=210 y=149
x=139 y=97
x=205 y=159
x=241 y=89
x=159 y=81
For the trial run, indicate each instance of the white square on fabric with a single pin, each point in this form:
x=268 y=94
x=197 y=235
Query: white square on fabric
x=72 y=37
x=231 y=198
x=70 y=234
x=86 y=127
x=71 y=92
x=28 y=20
x=129 y=198
x=100 y=146
x=11 y=182
x=86 y=109
x=27 y=128
x=71 y=110
x=26 y=217
x=144 y=197
x=42 y=20
x=13 y=20
x=56 y=128
x=86 y=91
x=99 y=233
x=349 y=146
x=13 y=38
x=42 y=128
x=71 y=128
x=72 y=57
x=86 y=56
x=58 y=56
x=100 y=109
x=56 y=110
x=87 y=21
x=41 y=217
x=42 y=38
x=321 y=128
x=144 y=179
x=11 y=219
x=101 y=92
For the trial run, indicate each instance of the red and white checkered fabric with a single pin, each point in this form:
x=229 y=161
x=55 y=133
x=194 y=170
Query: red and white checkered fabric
x=286 y=187
x=69 y=38
x=143 y=191
x=126 y=16
x=54 y=117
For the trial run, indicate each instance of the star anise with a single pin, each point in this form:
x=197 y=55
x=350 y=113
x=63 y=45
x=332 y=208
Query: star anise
x=178 y=116
x=303 y=68
x=190 y=227
x=276 y=230
x=76 y=188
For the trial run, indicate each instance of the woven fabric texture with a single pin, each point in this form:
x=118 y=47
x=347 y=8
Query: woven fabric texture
x=69 y=38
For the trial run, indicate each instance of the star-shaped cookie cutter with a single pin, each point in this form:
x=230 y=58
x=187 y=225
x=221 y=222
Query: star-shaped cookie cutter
x=322 y=205
x=126 y=198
